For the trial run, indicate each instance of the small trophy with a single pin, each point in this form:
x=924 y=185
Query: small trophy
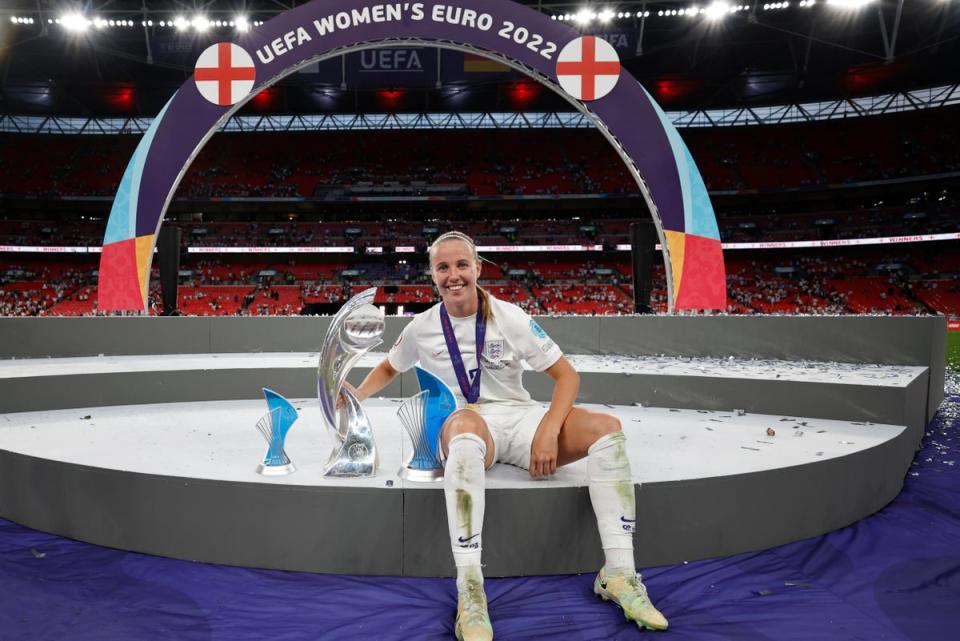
x=274 y=426
x=355 y=330
x=423 y=415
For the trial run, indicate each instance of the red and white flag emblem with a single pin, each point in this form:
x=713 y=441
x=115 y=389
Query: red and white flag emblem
x=588 y=68
x=224 y=74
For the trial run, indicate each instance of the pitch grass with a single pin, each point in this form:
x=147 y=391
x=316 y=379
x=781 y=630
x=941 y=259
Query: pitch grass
x=953 y=351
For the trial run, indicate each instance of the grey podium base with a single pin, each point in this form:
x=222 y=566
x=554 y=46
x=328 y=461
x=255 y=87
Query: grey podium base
x=398 y=531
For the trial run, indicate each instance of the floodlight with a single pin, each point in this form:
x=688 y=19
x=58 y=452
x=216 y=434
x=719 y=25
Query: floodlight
x=75 y=22
x=849 y=4
x=242 y=24
x=717 y=10
x=584 y=16
x=181 y=23
x=605 y=15
x=200 y=23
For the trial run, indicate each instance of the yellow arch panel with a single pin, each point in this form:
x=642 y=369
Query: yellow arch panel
x=676 y=243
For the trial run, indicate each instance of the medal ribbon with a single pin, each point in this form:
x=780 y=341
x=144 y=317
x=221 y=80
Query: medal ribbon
x=470 y=389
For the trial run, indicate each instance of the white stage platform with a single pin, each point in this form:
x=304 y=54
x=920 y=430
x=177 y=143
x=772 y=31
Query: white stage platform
x=217 y=441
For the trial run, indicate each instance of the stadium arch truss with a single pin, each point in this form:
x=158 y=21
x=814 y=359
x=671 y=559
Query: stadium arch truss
x=839 y=109
x=627 y=116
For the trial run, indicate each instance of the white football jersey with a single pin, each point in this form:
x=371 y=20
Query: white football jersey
x=511 y=337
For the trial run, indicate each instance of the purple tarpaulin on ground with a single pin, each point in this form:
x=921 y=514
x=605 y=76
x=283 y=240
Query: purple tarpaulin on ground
x=894 y=576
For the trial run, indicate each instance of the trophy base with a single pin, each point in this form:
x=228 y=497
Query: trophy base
x=276 y=470
x=354 y=461
x=420 y=476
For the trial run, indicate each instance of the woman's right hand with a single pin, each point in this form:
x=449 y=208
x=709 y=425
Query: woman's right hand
x=341 y=400
x=375 y=381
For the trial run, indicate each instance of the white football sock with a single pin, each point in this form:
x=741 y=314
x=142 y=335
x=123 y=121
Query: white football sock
x=613 y=497
x=464 y=483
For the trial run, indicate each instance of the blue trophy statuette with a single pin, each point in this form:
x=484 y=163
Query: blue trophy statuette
x=274 y=426
x=423 y=415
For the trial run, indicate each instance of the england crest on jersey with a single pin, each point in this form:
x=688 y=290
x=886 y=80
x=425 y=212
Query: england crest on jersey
x=493 y=354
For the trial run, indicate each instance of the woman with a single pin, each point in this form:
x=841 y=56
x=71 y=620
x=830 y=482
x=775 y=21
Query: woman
x=500 y=422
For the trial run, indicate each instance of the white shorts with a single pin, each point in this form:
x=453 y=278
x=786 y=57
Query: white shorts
x=513 y=428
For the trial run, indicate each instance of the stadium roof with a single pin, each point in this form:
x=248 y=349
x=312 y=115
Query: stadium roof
x=690 y=55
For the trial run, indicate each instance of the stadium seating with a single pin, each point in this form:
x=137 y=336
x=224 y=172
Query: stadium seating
x=798 y=156
x=52 y=170
x=914 y=279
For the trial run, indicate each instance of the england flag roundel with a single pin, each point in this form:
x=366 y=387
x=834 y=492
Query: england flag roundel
x=224 y=74
x=588 y=68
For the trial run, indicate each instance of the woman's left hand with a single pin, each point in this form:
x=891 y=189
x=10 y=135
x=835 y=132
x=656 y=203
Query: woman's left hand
x=543 y=453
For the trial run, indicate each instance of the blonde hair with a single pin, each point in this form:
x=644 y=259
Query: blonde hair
x=459 y=235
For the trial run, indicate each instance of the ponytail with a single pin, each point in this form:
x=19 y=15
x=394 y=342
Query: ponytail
x=487 y=307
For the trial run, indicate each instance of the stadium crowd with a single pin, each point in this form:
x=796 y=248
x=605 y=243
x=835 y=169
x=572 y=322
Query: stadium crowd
x=912 y=280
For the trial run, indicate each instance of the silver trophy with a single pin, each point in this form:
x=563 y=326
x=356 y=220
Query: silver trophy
x=274 y=426
x=423 y=416
x=356 y=329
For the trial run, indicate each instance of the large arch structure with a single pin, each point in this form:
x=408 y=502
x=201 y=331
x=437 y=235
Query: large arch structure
x=525 y=39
